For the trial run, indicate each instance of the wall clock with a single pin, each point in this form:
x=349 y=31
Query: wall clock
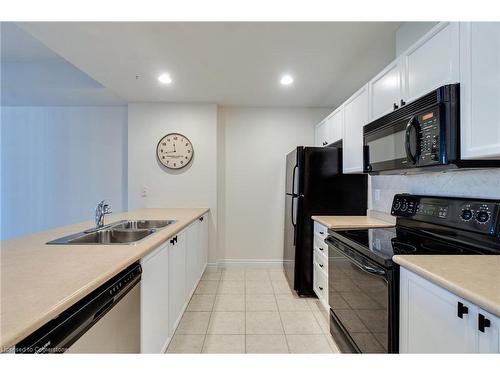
x=174 y=151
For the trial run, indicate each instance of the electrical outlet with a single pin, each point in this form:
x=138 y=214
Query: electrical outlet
x=144 y=192
x=376 y=195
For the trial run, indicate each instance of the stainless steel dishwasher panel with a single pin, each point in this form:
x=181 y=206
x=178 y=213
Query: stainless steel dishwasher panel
x=116 y=332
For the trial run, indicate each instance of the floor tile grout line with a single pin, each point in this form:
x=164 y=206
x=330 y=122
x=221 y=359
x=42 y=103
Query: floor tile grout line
x=282 y=325
x=209 y=318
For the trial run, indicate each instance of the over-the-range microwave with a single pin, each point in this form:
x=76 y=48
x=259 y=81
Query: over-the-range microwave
x=422 y=135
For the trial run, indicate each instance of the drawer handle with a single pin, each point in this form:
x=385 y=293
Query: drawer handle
x=320 y=265
x=461 y=310
x=482 y=322
x=321 y=232
x=320 y=287
x=320 y=248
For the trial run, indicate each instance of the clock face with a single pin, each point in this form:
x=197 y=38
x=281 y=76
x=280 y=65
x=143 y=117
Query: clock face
x=174 y=151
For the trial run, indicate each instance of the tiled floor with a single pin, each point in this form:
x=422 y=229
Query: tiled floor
x=251 y=311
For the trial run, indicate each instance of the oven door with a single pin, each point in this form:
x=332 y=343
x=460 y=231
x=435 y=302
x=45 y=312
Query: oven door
x=359 y=297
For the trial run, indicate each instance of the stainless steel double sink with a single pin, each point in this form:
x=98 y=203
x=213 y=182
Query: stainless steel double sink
x=119 y=232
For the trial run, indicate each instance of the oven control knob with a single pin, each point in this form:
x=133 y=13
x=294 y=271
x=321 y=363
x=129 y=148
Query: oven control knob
x=466 y=214
x=482 y=216
x=404 y=206
x=396 y=205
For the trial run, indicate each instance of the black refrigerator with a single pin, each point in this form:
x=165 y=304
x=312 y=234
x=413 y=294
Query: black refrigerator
x=315 y=185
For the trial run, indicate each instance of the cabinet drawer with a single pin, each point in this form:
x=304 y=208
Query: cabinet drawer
x=320 y=230
x=320 y=283
x=320 y=244
x=321 y=259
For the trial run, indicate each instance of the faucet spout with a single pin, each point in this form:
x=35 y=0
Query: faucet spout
x=101 y=210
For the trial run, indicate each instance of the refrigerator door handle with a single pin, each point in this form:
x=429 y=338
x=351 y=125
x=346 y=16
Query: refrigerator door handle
x=293 y=183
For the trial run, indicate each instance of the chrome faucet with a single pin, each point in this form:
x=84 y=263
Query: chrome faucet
x=102 y=209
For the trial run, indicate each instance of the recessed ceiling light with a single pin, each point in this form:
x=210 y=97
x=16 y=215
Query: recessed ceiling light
x=165 y=78
x=286 y=80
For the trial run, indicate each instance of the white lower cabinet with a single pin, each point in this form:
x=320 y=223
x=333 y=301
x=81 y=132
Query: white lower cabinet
x=169 y=276
x=155 y=330
x=177 y=288
x=433 y=320
x=196 y=252
x=320 y=264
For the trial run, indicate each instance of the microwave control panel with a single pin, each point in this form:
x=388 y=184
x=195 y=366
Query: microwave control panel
x=474 y=214
x=429 y=143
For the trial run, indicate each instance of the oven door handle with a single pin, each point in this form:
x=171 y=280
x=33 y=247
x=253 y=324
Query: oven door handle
x=369 y=269
x=412 y=123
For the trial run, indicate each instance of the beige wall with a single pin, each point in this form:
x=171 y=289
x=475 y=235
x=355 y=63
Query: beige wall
x=252 y=176
x=192 y=186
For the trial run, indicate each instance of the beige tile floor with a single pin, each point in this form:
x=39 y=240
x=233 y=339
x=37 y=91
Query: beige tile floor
x=248 y=310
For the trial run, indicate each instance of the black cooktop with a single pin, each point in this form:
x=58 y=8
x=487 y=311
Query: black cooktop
x=381 y=244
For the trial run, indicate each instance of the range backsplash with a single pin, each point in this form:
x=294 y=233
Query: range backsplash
x=471 y=184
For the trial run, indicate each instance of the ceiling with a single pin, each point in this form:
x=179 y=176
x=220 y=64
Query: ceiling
x=33 y=74
x=225 y=63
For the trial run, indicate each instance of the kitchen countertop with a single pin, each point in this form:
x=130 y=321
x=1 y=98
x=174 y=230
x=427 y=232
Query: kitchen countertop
x=39 y=281
x=351 y=222
x=475 y=278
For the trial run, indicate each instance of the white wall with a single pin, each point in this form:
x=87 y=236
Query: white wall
x=257 y=141
x=193 y=186
x=58 y=162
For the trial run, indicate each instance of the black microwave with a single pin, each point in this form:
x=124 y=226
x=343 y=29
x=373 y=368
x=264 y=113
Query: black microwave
x=422 y=134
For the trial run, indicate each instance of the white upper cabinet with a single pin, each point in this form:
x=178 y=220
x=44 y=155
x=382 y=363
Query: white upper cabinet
x=433 y=61
x=320 y=134
x=355 y=117
x=335 y=125
x=331 y=129
x=386 y=90
x=480 y=90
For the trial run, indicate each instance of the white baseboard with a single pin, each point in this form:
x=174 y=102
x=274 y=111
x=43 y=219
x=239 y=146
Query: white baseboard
x=257 y=263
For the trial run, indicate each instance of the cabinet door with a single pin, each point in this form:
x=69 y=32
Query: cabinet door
x=155 y=332
x=429 y=321
x=320 y=135
x=489 y=340
x=177 y=280
x=355 y=117
x=192 y=257
x=433 y=61
x=480 y=90
x=386 y=90
x=203 y=243
x=335 y=126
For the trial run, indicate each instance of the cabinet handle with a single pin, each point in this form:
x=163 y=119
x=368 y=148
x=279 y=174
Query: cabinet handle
x=482 y=322
x=402 y=102
x=320 y=265
x=201 y=218
x=320 y=248
x=325 y=143
x=394 y=106
x=320 y=287
x=461 y=310
x=172 y=241
x=321 y=232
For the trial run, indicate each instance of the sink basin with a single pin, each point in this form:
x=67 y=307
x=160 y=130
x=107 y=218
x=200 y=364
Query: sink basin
x=143 y=224
x=112 y=236
x=119 y=232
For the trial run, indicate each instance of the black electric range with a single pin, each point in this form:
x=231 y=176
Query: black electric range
x=363 y=280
